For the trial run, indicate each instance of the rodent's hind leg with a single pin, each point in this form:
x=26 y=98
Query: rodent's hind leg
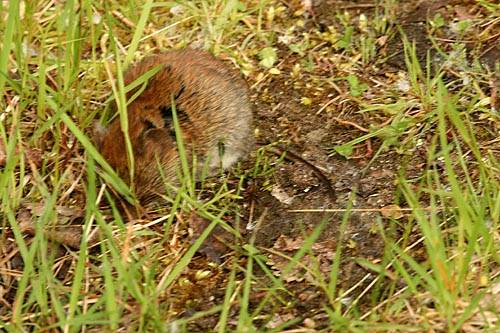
x=222 y=156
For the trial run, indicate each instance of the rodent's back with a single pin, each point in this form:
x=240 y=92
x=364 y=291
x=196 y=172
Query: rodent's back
x=213 y=109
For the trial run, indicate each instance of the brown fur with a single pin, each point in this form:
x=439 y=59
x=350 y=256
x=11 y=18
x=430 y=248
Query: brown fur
x=213 y=108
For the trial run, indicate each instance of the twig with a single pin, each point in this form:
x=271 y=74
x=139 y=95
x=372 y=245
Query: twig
x=291 y=156
x=350 y=123
x=336 y=210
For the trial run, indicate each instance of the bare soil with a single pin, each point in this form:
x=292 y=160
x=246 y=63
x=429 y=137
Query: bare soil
x=311 y=132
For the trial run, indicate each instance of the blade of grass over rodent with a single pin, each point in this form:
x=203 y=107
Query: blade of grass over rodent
x=108 y=173
x=141 y=82
x=138 y=32
x=185 y=170
x=118 y=88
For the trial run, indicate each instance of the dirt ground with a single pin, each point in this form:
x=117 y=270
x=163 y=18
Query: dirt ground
x=311 y=131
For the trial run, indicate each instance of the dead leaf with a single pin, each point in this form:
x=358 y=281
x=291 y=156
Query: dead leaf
x=281 y=195
x=284 y=243
x=392 y=211
x=69 y=235
x=462 y=13
x=322 y=254
x=382 y=40
x=279 y=319
x=307 y=5
x=32 y=155
x=38 y=209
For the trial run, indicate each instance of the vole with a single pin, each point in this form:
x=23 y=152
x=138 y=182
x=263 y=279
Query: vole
x=214 y=112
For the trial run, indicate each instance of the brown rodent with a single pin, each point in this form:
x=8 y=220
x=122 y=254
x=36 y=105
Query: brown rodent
x=214 y=114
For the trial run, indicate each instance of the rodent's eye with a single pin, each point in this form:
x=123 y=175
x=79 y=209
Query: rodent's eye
x=148 y=125
x=166 y=113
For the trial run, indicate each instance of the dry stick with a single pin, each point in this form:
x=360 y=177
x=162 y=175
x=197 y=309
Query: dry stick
x=38 y=15
x=337 y=89
x=315 y=210
x=291 y=156
x=123 y=19
x=250 y=223
x=361 y=5
x=350 y=123
x=3 y=154
x=490 y=23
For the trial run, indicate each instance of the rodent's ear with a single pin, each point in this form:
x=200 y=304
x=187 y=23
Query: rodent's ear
x=98 y=133
x=151 y=118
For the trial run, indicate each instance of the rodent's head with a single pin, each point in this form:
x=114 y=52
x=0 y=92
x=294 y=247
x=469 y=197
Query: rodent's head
x=149 y=127
x=153 y=144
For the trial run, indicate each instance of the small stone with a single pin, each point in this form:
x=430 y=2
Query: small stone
x=309 y=323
